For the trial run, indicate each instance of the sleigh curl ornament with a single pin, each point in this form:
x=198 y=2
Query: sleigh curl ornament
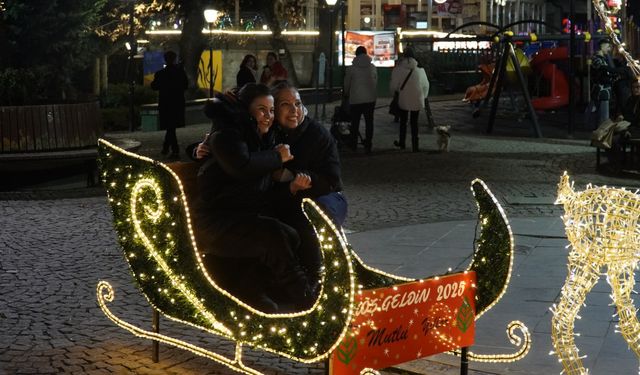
x=152 y=219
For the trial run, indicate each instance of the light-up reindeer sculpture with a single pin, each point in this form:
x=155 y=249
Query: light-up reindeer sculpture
x=603 y=227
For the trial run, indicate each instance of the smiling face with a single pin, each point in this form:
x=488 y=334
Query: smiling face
x=289 y=109
x=261 y=109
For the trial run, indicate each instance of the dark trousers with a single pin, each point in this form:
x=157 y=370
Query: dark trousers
x=414 y=128
x=308 y=253
x=357 y=110
x=256 y=254
x=170 y=141
x=335 y=205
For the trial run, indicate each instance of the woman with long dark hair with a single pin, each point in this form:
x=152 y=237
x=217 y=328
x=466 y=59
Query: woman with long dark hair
x=247 y=250
x=248 y=71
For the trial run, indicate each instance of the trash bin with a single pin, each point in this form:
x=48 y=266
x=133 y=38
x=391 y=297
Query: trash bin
x=149 y=118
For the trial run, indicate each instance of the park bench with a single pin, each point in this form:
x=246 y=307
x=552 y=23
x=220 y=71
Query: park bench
x=38 y=137
x=151 y=209
x=630 y=155
x=194 y=114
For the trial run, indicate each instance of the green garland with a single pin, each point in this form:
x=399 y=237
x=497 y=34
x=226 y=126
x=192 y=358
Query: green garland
x=307 y=336
x=493 y=256
x=304 y=336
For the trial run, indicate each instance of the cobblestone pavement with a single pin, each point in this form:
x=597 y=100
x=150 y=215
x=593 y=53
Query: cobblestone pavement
x=53 y=252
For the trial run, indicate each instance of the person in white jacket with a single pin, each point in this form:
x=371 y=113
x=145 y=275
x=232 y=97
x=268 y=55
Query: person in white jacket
x=411 y=96
x=360 y=83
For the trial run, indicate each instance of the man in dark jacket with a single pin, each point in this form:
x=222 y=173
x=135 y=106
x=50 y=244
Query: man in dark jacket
x=604 y=73
x=171 y=82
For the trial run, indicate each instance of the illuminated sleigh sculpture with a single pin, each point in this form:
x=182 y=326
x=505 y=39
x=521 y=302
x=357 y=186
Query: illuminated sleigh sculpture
x=152 y=220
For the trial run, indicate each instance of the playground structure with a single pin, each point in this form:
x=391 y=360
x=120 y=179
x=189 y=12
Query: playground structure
x=546 y=64
x=543 y=62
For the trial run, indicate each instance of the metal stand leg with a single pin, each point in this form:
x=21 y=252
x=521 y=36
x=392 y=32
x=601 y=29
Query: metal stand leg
x=464 y=361
x=155 y=326
x=91 y=172
x=525 y=92
x=427 y=109
x=492 y=83
x=499 y=84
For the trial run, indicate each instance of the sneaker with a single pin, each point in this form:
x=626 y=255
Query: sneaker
x=398 y=144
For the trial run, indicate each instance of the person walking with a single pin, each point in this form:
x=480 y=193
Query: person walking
x=360 y=83
x=412 y=85
x=247 y=72
x=170 y=82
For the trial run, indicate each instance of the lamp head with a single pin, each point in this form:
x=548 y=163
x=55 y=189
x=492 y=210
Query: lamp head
x=331 y=2
x=210 y=15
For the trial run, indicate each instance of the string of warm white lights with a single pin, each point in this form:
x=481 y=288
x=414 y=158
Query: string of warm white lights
x=175 y=280
x=604 y=13
x=153 y=221
x=494 y=247
x=105 y=293
x=601 y=225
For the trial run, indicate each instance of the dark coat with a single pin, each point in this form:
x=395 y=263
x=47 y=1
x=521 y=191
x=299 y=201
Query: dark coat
x=315 y=153
x=631 y=112
x=244 y=76
x=236 y=179
x=171 y=82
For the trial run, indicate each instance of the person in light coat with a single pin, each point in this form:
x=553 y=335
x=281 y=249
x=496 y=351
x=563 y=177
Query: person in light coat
x=360 y=86
x=411 y=97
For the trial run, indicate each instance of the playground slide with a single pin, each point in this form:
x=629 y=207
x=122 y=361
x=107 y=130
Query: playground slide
x=542 y=62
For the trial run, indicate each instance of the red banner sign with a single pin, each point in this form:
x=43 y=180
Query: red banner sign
x=408 y=321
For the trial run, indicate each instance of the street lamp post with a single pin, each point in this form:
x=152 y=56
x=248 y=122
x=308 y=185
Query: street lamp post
x=210 y=15
x=131 y=47
x=330 y=3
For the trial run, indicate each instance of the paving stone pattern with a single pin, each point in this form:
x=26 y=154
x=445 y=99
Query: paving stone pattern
x=54 y=251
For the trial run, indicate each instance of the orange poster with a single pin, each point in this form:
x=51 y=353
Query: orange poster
x=406 y=322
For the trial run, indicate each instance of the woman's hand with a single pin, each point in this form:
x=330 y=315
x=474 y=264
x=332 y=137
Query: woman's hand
x=302 y=181
x=285 y=153
x=203 y=150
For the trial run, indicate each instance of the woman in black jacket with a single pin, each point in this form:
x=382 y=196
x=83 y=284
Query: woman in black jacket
x=316 y=155
x=247 y=72
x=247 y=249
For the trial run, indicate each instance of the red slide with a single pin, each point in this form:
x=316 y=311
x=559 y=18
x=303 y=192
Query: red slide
x=542 y=63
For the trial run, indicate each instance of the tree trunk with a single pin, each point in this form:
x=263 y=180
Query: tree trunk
x=274 y=17
x=96 y=76
x=104 y=73
x=192 y=43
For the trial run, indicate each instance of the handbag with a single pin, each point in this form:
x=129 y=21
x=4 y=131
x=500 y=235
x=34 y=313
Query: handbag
x=602 y=137
x=394 y=107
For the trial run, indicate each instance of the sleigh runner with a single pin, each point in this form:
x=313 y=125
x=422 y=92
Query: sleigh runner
x=151 y=212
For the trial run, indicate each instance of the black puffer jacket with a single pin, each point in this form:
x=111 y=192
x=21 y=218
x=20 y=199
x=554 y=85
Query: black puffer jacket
x=315 y=153
x=236 y=180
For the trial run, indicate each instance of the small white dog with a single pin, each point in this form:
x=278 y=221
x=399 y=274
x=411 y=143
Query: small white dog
x=443 y=138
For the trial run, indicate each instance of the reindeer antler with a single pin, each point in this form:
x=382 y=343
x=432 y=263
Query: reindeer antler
x=565 y=189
